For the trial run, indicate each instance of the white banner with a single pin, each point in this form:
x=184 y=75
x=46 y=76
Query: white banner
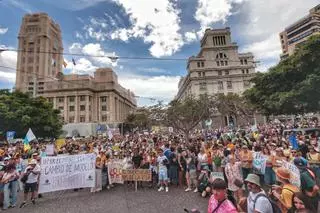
x=67 y=172
x=115 y=172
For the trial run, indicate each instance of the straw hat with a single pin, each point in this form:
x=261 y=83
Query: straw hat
x=253 y=178
x=283 y=173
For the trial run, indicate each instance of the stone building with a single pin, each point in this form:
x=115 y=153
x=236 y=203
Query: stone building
x=86 y=99
x=300 y=31
x=217 y=69
x=81 y=98
x=40 y=42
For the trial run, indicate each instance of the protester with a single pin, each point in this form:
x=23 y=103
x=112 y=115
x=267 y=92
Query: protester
x=246 y=159
x=32 y=172
x=218 y=202
x=300 y=203
x=257 y=201
x=285 y=191
x=163 y=171
x=10 y=181
x=234 y=176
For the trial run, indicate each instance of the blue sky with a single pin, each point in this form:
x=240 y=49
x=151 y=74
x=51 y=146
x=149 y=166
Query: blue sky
x=150 y=28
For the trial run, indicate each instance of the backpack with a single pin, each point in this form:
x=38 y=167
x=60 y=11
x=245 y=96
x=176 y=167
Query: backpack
x=275 y=207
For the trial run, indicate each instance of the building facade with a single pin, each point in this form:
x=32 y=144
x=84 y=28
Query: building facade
x=40 y=42
x=300 y=31
x=86 y=99
x=218 y=68
x=80 y=98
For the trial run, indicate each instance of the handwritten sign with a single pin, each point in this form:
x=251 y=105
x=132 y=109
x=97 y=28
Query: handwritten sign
x=50 y=149
x=115 y=172
x=259 y=163
x=215 y=175
x=67 y=172
x=294 y=173
x=136 y=175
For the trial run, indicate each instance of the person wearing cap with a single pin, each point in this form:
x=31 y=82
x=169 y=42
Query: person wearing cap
x=257 y=201
x=308 y=181
x=285 y=191
x=33 y=172
x=246 y=158
x=218 y=202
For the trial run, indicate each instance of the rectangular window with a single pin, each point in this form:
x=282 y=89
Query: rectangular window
x=71 y=119
x=229 y=84
x=61 y=108
x=220 y=85
x=245 y=61
x=198 y=64
x=103 y=108
x=203 y=74
x=219 y=72
x=71 y=99
x=203 y=86
x=60 y=100
x=71 y=108
x=241 y=61
x=82 y=107
x=82 y=119
x=218 y=63
x=242 y=71
x=226 y=72
x=222 y=63
x=226 y=63
x=104 y=118
x=199 y=74
x=82 y=98
x=247 y=71
x=104 y=99
x=202 y=63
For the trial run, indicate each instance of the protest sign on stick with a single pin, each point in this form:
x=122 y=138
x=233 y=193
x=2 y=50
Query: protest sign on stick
x=115 y=172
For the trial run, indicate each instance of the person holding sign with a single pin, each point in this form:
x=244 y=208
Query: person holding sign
x=32 y=173
x=246 y=158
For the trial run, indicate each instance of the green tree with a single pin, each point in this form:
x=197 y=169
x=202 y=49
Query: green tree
x=186 y=114
x=19 y=112
x=291 y=87
x=235 y=105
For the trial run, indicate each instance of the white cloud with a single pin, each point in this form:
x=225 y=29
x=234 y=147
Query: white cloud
x=190 y=37
x=159 y=87
x=3 y=30
x=8 y=63
x=265 y=49
x=96 y=55
x=157 y=22
x=266 y=20
x=211 y=11
x=83 y=66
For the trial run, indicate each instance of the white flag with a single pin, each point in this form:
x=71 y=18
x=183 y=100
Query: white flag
x=30 y=136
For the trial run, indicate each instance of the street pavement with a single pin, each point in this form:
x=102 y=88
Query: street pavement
x=120 y=199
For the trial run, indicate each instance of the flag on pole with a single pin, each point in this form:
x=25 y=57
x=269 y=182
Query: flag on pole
x=29 y=137
x=74 y=62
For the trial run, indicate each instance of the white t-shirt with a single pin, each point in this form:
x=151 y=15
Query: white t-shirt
x=262 y=205
x=32 y=178
x=160 y=160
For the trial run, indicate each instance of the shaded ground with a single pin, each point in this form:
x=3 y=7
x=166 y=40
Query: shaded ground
x=119 y=199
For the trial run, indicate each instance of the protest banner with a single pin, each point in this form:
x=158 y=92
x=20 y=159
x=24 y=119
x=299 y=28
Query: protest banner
x=294 y=173
x=259 y=163
x=10 y=136
x=50 y=149
x=136 y=175
x=67 y=172
x=115 y=172
x=215 y=175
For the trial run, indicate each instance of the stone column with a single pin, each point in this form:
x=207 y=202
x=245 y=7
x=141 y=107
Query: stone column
x=87 y=109
x=54 y=103
x=65 y=109
x=76 y=110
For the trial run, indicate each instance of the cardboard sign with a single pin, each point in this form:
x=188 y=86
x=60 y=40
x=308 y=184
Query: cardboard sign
x=136 y=175
x=294 y=173
x=259 y=163
x=115 y=172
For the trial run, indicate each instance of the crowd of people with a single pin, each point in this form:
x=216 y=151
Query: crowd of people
x=175 y=162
